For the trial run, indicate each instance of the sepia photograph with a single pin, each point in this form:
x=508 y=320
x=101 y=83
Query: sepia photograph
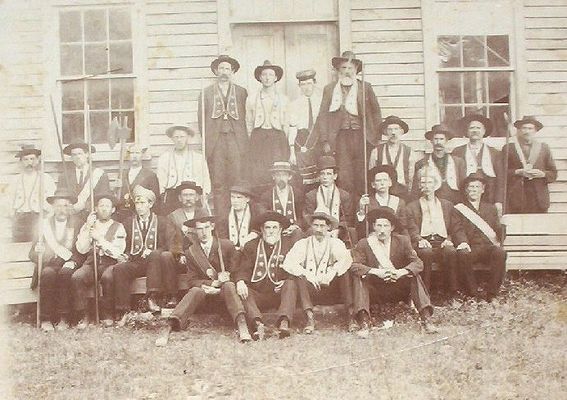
x=283 y=199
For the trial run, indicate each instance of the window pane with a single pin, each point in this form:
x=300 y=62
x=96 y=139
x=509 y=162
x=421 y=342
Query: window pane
x=99 y=126
x=121 y=57
x=499 y=87
x=97 y=91
x=450 y=116
x=450 y=87
x=72 y=96
x=95 y=59
x=498 y=51
x=95 y=25
x=71 y=59
x=473 y=51
x=476 y=110
x=70 y=26
x=128 y=119
x=498 y=118
x=474 y=87
x=73 y=127
x=449 y=51
x=122 y=93
x=120 y=25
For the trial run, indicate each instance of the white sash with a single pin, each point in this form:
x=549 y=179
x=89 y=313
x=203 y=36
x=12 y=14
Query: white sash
x=85 y=191
x=485 y=161
x=59 y=249
x=451 y=173
x=377 y=249
x=399 y=166
x=350 y=101
x=287 y=209
x=534 y=153
x=480 y=223
x=334 y=209
x=238 y=236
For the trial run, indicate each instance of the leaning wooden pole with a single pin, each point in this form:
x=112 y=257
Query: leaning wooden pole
x=91 y=191
x=203 y=146
x=364 y=138
x=41 y=203
x=60 y=143
x=506 y=161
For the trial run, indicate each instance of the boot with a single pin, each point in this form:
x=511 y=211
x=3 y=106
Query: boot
x=364 y=331
x=153 y=306
x=284 y=331
x=310 y=326
x=171 y=302
x=260 y=333
x=47 y=326
x=243 y=333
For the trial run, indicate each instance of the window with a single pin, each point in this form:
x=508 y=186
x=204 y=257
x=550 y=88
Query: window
x=96 y=69
x=474 y=77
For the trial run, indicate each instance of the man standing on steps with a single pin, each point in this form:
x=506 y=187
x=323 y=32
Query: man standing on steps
x=210 y=263
x=226 y=138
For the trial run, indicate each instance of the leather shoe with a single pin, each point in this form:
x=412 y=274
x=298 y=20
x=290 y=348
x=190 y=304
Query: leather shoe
x=260 y=333
x=284 y=331
x=153 y=306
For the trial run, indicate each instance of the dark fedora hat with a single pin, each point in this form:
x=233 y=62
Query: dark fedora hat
x=224 y=58
x=268 y=65
x=189 y=185
x=242 y=188
x=528 y=119
x=439 y=129
x=27 y=149
x=326 y=162
x=387 y=168
x=347 y=56
x=107 y=195
x=467 y=119
x=169 y=131
x=271 y=216
x=393 y=120
x=321 y=214
x=79 y=144
x=62 y=194
x=203 y=218
x=382 y=212
x=475 y=177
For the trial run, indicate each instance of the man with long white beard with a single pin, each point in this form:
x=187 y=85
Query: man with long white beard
x=260 y=280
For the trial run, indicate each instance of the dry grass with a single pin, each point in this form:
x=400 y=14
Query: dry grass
x=514 y=348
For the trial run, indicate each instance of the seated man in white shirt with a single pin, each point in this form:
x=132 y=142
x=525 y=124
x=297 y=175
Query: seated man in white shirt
x=109 y=239
x=319 y=264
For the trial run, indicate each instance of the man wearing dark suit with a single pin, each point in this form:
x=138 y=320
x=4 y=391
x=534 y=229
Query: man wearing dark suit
x=387 y=267
x=483 y=231
x=482 y=159
x=450 y=169
x=531 y=169
x=224 y=128
x=210 y=262
x=435 y=231
x=339 y=124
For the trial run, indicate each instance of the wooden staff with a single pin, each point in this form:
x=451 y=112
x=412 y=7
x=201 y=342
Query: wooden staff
x=91 y=189
x=59 y=142
x=506 y=160
x=40 y=235
x=364 y=137
x=203 y=144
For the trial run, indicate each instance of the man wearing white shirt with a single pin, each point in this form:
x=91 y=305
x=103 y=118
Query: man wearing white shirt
x=109 y=239
x=319 y=263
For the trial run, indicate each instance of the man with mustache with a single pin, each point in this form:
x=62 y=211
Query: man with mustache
x=449 y=168
x=339 y=125
x=531 y=169
x=25 y=197
x=226 y=137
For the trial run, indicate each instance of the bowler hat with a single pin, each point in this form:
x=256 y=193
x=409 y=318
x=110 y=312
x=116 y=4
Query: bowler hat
x=204 y=218
x=528 y=119
x=271 y=216
x=382 y=212
x=189 y=185
x=326 y=162
x=347 y=56
x=224 y=58
x=439 y=129
x=467 y=119
x=28 y=149
x=393 y=120
x=79 y=144
x=62 y=194
x=268 y=65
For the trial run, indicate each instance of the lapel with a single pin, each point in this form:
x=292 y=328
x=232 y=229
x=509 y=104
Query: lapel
x=200 y=259
x=395 y=250
x=446 y=207
x=213 y=254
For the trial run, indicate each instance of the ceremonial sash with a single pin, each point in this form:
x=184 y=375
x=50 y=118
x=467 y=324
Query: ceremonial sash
x=202 y=261
x=332 y=205
x=397 y=163
x=479 y=223
x=220 y=108
x=264 y=266
x=532 y=157
x=450 y=174
x=238 y=232
x=60 y=248
x=288 y=209
x=139 y=243
x=84 y=193
x=109 y=236
x=377 y=249
x=350 y=102
x=485 y=161
x=321 y=266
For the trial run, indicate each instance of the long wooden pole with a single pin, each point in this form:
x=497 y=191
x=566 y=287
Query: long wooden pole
x=203 y=144
x=364 y=138
x=59 y=142
x=506 y=160
x=40 y=233
x=91 y=189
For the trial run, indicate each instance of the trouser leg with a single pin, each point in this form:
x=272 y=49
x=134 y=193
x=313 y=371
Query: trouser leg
x=48 y=294
x=231 y=300
x=466 y=261
x=497 y=265
x=251 y=304
x=154 y=273
x=420 y=297
x=24 y=227
x=345 y=286
x=288 y=299
x=361 y=294
x=426 y=255
x=303 y=286
x=64 y=292
x=107 y=299
x=170 y=273
x=123 y=275
x=225 y=166
x=187 y=307
x=449 y=268
x=81 y=280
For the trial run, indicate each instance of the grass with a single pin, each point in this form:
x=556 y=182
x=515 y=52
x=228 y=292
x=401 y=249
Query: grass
x=513 y=348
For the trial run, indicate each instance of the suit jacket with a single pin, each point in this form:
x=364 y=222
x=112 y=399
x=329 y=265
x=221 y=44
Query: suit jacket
x=176 y=219
x=346 y=207
x=221 y=225
x=328 y=123
x=401 y=214
x=267 y=202
x=444 y=192
x=196 y=268
x=214 y=127
x=488 y=212
x=402 y=255
x=494 y=191
x=452 y=222
x=164 y=233
x=103 y=185
x=516 y=193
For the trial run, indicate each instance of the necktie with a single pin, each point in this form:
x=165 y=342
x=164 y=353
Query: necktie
x=310 y=114
x=81 y=178
x=144 y=226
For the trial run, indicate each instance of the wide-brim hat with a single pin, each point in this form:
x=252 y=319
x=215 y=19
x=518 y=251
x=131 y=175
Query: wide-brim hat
x=271 y=216
x=387 y=168
x=318 y=214
x=136 y=147
x=169 y=131
x=268 y=65
x=108 y=196
x=283 y=166
x=242 y=188
x=528 y=119
x=78 y=145
x=385 y=213
x=326 y=162
x=189 y=185
x=391 y=120
x=347 y=56
x=204 y=218
x=26 y=150
x=439 y=128
x=472 y=178
x=62 y=194
x=224 y=58
x=467 y=119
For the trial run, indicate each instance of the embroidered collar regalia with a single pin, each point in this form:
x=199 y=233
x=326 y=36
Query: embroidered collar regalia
x=288 y=209
x=267 y=266
x=222 y=108
x=140 y=243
